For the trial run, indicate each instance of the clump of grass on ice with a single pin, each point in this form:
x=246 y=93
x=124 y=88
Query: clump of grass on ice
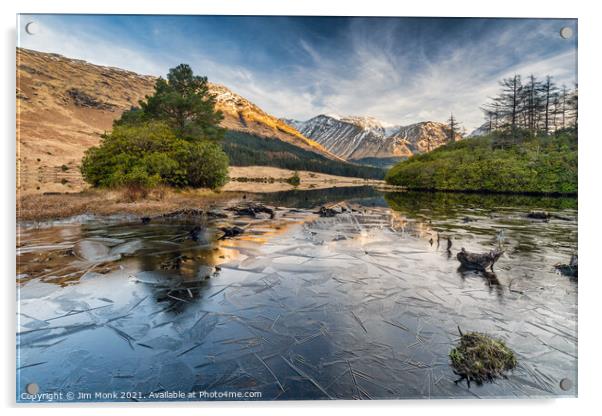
x=480 y=358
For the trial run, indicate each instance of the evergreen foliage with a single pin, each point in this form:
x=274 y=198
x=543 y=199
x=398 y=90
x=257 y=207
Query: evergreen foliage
x=497 y=162
x=170 y=139
x=245 y=149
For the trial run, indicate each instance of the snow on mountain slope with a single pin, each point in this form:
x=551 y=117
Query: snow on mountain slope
x=354 y=137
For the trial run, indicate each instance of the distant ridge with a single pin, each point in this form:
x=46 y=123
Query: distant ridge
x=358 y=138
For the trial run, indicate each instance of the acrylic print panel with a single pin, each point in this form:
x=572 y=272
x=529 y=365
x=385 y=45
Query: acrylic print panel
x=259 y=208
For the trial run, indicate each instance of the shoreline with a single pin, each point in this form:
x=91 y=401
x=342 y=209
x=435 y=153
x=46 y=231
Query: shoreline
x=105 y=202
x=491 y=192
x=161 y=200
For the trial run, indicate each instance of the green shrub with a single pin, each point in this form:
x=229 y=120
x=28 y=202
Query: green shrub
x=294 y=180
x=495 y=163
x=147 y=154
x=205 y=164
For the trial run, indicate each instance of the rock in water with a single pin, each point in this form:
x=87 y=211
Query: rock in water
x=479 y=261
x=231 y=231
x=569 y=269
x=252 y=210
x=539 y=215
x=327 y=212
x=195 y=233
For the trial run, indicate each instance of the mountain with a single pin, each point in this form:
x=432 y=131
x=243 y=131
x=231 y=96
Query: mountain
x=64 y=105
x=360 y=138
x=416 y=138
x=297 y=124
x=242 y=115
x=482 y=130
x=347 y=137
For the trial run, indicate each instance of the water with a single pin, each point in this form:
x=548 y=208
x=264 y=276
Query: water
x=364 y=305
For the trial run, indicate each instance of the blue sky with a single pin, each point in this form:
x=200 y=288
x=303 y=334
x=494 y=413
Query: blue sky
x=399 y=70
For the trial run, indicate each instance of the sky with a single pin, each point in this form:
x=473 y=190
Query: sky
x=399 y=70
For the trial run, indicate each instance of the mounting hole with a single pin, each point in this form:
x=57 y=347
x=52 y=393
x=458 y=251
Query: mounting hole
x=566 y=384
x=566 y=32
x=32 y=388
x=31 y=28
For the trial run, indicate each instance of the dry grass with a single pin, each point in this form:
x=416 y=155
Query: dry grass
x=121 y=201
x=481 y=358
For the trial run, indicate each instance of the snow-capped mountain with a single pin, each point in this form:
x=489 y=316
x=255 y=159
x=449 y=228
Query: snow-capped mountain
x=346 y=137
x=243 y=115
x=354 y=137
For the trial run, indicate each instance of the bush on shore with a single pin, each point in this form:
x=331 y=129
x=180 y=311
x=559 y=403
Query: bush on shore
x=147 y=154
x=171 y=139
x=495 y=163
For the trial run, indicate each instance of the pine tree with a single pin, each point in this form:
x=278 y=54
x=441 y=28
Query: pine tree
x=510 y=98
x=550 y=93
x=184 y=102
x=539 y=107
x=453 y=128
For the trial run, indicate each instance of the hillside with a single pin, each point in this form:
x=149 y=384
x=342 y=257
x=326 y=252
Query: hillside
x=541 y=165
x=366 y=138
x=64 y=105
x=245 y=149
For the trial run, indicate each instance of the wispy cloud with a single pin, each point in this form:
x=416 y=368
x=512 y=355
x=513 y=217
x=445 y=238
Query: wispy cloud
x=398 y=70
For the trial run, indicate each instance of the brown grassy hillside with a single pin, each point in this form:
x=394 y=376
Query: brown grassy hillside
x=64 y=105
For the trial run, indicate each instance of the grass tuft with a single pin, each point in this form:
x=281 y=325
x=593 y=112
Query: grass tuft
x=480 y=358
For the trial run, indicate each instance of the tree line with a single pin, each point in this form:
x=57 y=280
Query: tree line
x=244 y=149
x=533 y=105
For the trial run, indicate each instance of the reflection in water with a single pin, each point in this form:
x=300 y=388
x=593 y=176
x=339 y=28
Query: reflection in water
x=490 y=279
x=361 y=305
x=365 y=195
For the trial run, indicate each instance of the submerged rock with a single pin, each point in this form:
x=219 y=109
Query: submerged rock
x=253 y=209
x=539 y=215
x=568 y=269
x=174 y=263
x=231 y=231
x=328 y=212
x=195 y=233
x=94 y=251
x=479 y=261
x=546 y=216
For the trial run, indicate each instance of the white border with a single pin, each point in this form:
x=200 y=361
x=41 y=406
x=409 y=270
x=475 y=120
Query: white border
x=590 y=154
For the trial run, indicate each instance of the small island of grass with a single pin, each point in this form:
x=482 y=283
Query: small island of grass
x=480 y=358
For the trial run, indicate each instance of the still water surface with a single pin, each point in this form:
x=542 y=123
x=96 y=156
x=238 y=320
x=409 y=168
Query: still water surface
x=362 y=305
